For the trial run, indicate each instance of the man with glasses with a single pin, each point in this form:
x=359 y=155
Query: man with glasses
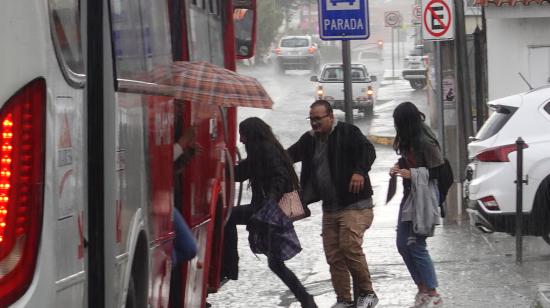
x=336 y=158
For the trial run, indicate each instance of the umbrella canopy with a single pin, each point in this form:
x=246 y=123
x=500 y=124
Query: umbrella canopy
x=208 y=83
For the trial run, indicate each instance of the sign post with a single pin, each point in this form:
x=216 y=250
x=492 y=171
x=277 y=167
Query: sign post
x=392 y=19
x=344 y=20
x=417 y=13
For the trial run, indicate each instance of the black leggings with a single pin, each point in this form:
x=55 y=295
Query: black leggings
x=288 y=277
x=241 y=216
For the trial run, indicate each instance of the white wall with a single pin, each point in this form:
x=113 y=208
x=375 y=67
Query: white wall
x=509 y=33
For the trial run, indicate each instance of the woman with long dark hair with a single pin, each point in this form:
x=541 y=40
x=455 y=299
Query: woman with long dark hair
x=271 y=174
x=418 y=148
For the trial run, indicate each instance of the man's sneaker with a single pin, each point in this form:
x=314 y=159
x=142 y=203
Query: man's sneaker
x=342 y=305
x=432 y=301
x=368 y=300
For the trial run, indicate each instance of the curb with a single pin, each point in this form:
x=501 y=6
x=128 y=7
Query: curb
x=543 y=296
x=383 y=140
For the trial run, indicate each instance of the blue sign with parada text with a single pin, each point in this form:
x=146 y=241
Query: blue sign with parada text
x=343 y=19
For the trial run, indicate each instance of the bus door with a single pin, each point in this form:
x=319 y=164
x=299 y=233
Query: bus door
x=134 y=129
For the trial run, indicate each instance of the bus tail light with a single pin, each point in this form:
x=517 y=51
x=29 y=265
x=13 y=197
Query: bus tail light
x=21 y=188
x=498 y=154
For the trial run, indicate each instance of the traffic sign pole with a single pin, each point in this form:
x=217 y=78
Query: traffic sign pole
x=393 y=20
x=344 y=20
x=392 y=58
x=348 y=97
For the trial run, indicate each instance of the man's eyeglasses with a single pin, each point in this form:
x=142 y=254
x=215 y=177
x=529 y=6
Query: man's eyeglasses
x=316 y=119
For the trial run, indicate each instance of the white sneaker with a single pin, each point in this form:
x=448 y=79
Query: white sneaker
x=432 y=301
x=342 y=305
x=419 y=299
x=367 y=301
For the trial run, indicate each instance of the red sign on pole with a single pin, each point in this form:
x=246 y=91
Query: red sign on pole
x=437 y=20
x=392 y=19
x=417 y=12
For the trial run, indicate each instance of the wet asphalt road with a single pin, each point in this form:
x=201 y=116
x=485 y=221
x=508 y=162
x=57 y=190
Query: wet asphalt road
x=474 y=269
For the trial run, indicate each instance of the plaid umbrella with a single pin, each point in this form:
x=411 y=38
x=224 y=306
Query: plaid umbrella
x=208 y=83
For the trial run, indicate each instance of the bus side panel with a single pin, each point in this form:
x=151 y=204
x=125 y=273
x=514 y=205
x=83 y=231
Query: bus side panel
x=131 y=182
x=160 y=115
x=161 y=268
x=68 y=194
x=195 y=286
x=26 y=54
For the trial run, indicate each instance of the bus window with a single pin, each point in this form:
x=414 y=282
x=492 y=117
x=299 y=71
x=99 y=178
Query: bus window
x=127 y=39
x=141 y=38
x=206 y=36
x=65 y=25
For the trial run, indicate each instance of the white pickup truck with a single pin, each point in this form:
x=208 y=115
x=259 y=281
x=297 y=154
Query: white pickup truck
x=330 y=87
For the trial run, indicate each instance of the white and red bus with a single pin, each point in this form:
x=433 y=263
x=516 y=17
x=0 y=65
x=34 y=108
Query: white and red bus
x=87 y=182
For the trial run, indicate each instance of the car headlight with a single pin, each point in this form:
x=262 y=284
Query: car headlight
x=320 y=91
x=370 y=91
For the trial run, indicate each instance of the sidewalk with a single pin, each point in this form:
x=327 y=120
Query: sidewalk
x=381 y=131
x=393 y=91
x=474 y=269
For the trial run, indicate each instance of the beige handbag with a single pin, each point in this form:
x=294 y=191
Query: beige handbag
x=291 y=205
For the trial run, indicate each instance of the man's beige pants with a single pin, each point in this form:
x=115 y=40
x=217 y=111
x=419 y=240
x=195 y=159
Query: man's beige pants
x=342 y=240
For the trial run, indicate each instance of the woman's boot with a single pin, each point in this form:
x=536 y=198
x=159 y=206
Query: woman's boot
x=308 y=302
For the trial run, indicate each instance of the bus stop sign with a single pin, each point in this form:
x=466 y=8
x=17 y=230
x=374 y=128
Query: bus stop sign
x=343 y=19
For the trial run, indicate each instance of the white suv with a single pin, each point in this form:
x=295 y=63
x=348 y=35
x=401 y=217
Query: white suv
x=490 y=177
x=297 y=52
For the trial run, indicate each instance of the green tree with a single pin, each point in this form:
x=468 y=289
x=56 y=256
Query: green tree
x=271 y=15
x=269 y=18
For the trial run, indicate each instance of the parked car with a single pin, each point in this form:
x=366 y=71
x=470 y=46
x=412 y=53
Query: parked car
x=415 y=68
x=369 y=55
x=297 y=52
x=490 y=177
x=330 y=87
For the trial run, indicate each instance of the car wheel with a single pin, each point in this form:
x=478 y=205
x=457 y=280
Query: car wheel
x=369 y=110
x=540 y=211
x=366 y=111
x=418 y=84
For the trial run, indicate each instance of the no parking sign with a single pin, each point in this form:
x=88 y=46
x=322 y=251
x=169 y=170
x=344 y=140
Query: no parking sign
x=437 y=20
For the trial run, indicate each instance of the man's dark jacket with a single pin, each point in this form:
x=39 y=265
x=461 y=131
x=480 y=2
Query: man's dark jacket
x=349 y=152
